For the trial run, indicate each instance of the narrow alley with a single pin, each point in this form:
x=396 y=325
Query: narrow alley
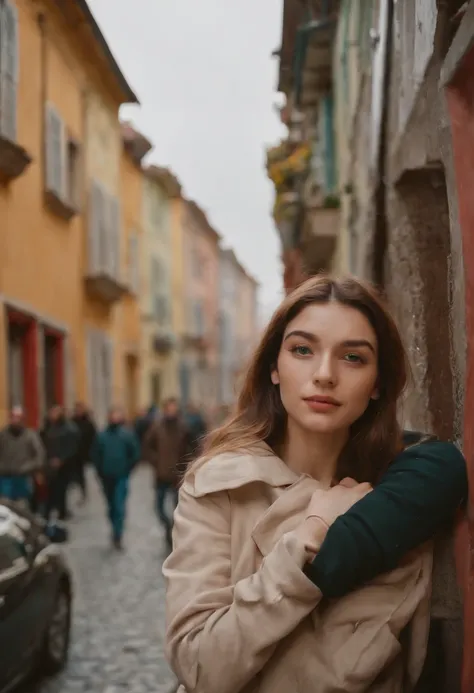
x=117 y=637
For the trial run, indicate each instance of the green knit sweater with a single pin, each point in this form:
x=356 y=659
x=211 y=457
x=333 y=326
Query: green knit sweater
x=418 y=496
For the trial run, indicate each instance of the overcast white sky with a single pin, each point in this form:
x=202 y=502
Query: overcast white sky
x=204 y=75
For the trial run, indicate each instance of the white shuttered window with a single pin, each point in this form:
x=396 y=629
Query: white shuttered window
x=9 y=60
x=100 y=354
x=134 y=262
x=55 y=142
x=104 y=232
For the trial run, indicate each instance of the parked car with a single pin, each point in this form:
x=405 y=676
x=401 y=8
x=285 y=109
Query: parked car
x=35 y=599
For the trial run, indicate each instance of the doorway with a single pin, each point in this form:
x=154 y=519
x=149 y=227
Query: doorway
x=22 y=364
x=53 y=364
x=131 y=385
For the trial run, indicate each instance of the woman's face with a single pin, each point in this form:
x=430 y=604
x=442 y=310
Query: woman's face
x=327 y=367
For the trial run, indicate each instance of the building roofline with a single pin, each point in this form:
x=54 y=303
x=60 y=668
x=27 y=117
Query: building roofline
x=135 y=144
x=129 y=94
x=201 y=217
x=166 y=178
x=230 y=252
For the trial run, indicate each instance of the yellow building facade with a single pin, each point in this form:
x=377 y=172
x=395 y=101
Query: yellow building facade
x=60 y=231
x=159 y=353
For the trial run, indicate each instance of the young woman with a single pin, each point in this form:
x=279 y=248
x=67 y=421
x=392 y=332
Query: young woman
x=284 y=493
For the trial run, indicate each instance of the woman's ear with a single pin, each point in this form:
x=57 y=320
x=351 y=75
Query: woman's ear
x=275 y=377
x=375 y=394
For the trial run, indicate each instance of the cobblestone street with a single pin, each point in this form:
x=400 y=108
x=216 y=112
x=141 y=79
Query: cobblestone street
x=117 y=641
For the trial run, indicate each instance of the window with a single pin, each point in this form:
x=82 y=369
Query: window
x=134 y=262
x=104 y=232
x=8 y=69
x=62 y=160
x=12 y=555
x=196 y=263
x=100 y=373
x=198 y=318
x=155 y=388
x=160 y=308
x=73 y=173
x=55 y=173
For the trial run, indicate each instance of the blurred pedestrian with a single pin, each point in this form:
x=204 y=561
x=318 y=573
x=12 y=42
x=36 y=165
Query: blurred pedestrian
x=87 y=434
x=61 y=440
x=197 y=428
x=22 y=458
x=142 y=423
x=168 y=448
x=115 y=452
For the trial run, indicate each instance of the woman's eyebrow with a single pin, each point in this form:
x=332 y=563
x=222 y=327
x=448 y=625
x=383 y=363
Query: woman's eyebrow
x=353 y=343
x=350 y=343
x=302 y=333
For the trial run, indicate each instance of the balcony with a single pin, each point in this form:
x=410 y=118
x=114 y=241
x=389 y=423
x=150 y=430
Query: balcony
x=319 y=236
x=163 y=342
x=314 y=57
x=59 y=206
x=14 y=160
x=196 y=340
x=105 y=287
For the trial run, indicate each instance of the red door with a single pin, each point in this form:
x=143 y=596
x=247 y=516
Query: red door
x=23 y=364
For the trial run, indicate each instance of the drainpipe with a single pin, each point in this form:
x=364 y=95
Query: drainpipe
x=41 y=20
x=381 y=230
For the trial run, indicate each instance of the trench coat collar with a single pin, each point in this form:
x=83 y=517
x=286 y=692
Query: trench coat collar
x=231 y=471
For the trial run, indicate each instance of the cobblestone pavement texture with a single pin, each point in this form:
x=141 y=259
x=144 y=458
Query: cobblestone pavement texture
x=118 y=624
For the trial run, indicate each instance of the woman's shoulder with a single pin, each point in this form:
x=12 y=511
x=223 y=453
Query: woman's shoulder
x=229 y=471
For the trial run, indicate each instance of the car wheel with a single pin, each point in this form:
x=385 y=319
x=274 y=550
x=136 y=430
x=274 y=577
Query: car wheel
x=56 y=642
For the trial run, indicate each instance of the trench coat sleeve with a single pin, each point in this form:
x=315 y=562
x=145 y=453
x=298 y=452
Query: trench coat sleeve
x=219 y=634
x=417 y=497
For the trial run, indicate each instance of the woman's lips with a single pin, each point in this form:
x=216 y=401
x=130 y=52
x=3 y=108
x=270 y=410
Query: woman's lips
x=322 y=404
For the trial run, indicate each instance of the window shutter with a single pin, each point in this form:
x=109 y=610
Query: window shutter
x=63 y=168
x=113 y=264
x=54 y=151
x=9 y=61
x=134 y=263
x=95 y=209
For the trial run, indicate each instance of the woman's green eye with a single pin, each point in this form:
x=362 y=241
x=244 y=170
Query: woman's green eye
x=301 y=350
x=353 y=358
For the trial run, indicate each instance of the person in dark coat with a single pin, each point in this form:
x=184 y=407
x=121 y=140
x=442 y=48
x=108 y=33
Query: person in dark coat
x=168 y=448
x=87 y=434
x=61 y=441
x=115 y=452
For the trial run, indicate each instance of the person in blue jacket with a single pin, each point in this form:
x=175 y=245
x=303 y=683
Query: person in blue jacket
x=114 y=454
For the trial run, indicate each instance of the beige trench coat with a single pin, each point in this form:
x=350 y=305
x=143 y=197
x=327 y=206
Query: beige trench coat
x=241 y=614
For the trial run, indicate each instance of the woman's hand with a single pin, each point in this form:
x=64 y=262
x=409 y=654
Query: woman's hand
x=328 y=505
x=324 y=508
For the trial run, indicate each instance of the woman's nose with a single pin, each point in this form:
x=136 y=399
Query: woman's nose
x=325 y=372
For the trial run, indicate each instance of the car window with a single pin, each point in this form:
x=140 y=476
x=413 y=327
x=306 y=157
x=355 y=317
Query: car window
x=12 y=549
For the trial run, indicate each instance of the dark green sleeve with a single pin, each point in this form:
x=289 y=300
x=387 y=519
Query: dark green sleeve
x=418 y=496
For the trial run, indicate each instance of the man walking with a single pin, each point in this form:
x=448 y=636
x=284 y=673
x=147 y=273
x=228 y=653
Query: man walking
x=21 y=458
x=168 y=446
x=115 y=453
x=87 y=433
x=61 y=440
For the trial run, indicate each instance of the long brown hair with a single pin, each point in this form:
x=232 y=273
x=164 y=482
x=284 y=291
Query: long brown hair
x=375 y=438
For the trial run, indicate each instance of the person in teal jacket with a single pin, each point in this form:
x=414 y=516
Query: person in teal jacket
x=114 y=454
